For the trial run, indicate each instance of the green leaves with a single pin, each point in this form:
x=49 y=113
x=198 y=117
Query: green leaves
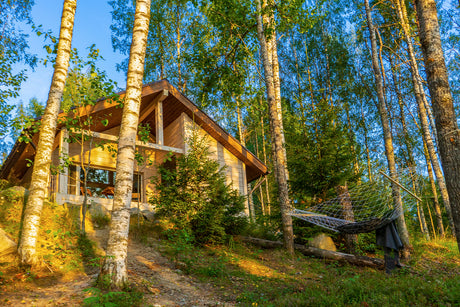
x=193 y=195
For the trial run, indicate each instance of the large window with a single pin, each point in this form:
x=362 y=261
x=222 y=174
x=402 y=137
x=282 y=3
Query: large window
x=99 y=182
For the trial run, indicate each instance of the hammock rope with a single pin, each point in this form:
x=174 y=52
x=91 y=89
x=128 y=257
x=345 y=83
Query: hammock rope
x=367 y=206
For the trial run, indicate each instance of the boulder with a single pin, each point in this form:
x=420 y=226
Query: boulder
x=148 y=215
x=7 y=246
x=323 y=241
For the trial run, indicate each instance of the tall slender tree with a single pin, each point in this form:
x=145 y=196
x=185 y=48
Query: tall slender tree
x=117 y=245
x=272 y=83
x=420 y=98
x=389 y=151
x=41 y=168
x=442 y=102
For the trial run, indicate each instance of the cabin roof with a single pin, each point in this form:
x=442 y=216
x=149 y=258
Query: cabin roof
x=15 y=166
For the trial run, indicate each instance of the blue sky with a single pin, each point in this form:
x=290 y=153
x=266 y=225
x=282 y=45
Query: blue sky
x=92 y=26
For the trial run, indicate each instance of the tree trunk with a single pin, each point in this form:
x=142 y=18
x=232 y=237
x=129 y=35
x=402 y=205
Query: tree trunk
x=442 y=102
x=420 y=99
x=272 y=84
x=320 y=253
x=84 y=206
x=117 y=246
x=366 y=144
x=351 y=240
x=42 y=162
x=389 y=152
x=250 y=203
x=437 y=208
x=262 y=128
x=410 y=156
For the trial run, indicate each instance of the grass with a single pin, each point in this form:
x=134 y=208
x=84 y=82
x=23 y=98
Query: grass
x=251 y=276
x=246 y=275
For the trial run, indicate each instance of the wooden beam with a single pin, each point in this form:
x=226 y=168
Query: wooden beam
x=149 y=109
x=159 y=123
x=401 y=186
x=63 y=153
x=114 y=138
x=259 y=182
x=160 y=147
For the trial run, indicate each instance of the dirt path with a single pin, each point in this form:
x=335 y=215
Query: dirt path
x=161 y=283
x=166 y=286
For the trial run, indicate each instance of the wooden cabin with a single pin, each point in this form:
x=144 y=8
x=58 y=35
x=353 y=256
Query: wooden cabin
x=172 y=118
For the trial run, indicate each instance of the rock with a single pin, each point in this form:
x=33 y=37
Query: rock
x=323 y=241
x=148 y=215
x=133 y=211
x=7 y=246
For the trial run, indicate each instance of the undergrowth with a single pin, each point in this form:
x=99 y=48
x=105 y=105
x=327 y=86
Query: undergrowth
x=250 y=276
x=60 y=248
x=100 y=298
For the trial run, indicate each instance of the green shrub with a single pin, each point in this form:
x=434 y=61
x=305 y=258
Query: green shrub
x=193 y=196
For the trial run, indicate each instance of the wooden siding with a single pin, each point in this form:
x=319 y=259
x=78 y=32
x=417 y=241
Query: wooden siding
x=234 y=167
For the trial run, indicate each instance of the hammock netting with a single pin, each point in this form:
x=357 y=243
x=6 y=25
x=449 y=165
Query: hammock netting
x=366 y=206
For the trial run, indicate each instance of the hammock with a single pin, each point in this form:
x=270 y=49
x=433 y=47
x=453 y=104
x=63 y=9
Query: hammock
x=366 y=207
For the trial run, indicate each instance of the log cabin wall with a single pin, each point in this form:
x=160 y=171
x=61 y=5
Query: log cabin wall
x=175 y=135
x=104 y=159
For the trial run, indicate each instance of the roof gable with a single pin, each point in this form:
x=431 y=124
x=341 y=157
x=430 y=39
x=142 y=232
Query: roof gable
x=174 y=104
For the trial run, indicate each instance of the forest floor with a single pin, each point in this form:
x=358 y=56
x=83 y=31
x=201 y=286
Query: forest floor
x=175 y=273
x=151 y=274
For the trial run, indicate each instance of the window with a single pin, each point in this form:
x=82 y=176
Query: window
x=72 y=180
x=99 y=182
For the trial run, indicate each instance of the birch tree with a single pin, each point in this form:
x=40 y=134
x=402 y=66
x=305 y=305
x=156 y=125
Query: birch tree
x=272 y=82
x=420 y=99
x=388 y=139
x=441 y=99
x=115 y=266
x=41 y=168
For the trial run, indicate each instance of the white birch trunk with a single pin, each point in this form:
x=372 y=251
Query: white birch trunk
x=442 y=102
x=270 y=62
x=389 y=151
x=117 y=245
x=42 y=162
x=420 y=99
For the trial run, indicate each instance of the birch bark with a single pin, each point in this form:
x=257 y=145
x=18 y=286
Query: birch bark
x=420 y=99
x=272 y=83
x=388 y=139
x=42 y=162
x=442 y=102
x=117 y=245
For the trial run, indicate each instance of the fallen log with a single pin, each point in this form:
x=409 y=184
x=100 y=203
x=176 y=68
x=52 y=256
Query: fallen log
x=320 y=253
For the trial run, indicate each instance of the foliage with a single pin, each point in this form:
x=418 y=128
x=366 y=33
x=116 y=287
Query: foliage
x=86 y=83
x=168 y=38
x=258 y=277
x=60 y=246
x=25 y=124
x=14 y=14
x=100 y=219
x=100 y=298
x=321 y=155
x=195 y=197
